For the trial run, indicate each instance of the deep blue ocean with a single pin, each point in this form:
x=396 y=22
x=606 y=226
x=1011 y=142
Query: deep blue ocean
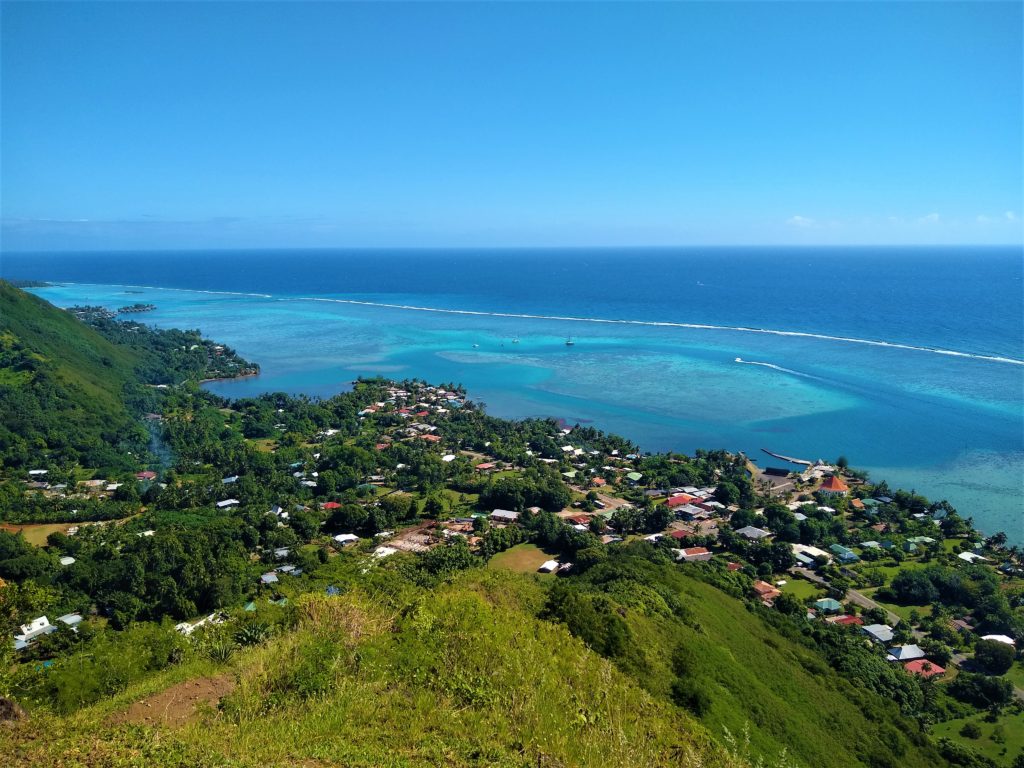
x=909 y=361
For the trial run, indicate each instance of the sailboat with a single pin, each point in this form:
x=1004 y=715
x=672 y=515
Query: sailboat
x=569 y=342
x=515 y=340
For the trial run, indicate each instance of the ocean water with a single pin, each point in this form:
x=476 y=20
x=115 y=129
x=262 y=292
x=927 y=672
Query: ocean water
x=908 y=361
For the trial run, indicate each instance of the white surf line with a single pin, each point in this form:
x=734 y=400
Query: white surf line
x=667 y=324
x=569 y=318
x=58 y=283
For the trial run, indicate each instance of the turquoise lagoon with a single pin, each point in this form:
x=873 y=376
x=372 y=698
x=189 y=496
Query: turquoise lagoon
x=947 y=426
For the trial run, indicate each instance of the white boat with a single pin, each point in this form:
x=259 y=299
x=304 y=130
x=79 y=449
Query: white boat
x=569 y=342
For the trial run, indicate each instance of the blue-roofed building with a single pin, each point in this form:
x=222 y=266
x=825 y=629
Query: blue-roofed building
x=828 y=605
x=843 y=554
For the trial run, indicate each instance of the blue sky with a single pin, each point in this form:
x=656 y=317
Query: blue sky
x=286 y=124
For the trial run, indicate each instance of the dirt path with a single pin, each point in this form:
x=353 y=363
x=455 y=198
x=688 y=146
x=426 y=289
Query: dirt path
x=178 y=704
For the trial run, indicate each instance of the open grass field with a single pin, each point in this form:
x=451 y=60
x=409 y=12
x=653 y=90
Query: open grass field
x=36 y=533
x=1016 y=674
x=522 y=558
x=802 y=589
x=903 y=611
x=1011 y=725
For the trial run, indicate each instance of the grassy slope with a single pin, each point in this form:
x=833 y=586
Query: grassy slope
x=462 y=676
x=84 y=359
x=783 y=693
x=91 y=371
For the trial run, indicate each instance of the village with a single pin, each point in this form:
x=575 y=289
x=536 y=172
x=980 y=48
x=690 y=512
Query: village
x=819 y=540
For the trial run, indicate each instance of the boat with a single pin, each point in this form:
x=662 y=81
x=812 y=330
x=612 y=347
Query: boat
x=515 y=340
x=569 y=342
x=476 y=346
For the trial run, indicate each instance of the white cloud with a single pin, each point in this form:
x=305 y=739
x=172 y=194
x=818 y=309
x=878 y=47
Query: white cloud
x=1010 y=216
x=800 y=221
x=983 y=219
x=931 y=218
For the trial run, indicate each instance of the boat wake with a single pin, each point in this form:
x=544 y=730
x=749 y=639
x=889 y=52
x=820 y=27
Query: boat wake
x=775 y=367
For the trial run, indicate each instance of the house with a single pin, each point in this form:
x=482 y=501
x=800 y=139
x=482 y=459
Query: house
x=269 y=578
x=504 y=516
x=384 y=551
x=905 y=653
x=67 y=560
x=485 y=466
x=766 y=591
x=828 y=605
x=346 y=538
x=752 y=533
x=36 y=628
x=634 y=477
x=228 y=503
x=971 y=557
x=330 y=505
x=857 y=504
x=834 y=486
x=808 y=556
x=679 y=500
x=1004 y=639
x=282 y=552
x=230 y=480
x=733 y=566
x=693 y=555
x=844 y=554
x=548 y=566
x=846 y=620
x=923 y=668
x=680 y=535
x=880 y=633
x=147 y=475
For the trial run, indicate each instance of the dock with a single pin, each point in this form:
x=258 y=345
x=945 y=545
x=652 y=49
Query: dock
x=790 y=459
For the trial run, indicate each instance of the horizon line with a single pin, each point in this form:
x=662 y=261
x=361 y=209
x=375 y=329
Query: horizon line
x=690 y=246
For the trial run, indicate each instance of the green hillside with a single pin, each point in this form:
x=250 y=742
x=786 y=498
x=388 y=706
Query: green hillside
x=687 y=641
x=460 y=675
x=62 y=388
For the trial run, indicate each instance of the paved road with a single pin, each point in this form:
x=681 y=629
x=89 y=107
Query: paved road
x=866 y=602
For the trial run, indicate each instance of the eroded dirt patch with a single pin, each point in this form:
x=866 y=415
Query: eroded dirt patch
x=178 y=704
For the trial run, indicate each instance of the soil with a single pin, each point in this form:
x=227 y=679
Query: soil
x=178 y=704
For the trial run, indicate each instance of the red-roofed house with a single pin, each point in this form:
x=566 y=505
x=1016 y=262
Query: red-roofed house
x=485 y=466
x=766 y=591
x=599 y=481
x=694 y=555
x=331 y=505
x=857 y=504
x=680 y=534
x=846 y=620
x=924 y=668
x=680 y=499
x=431 y=438
x=147 y=475
x=579 y=519
x=834 y=486
x=733 y=566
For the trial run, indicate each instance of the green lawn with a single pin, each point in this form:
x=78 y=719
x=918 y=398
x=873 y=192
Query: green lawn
x=522 y=558
x=802 y=589
x=1016 y=674
x=1012 y=727
x=903 y=611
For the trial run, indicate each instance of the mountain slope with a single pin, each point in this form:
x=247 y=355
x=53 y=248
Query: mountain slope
x=62 y=388
x=461 y=675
